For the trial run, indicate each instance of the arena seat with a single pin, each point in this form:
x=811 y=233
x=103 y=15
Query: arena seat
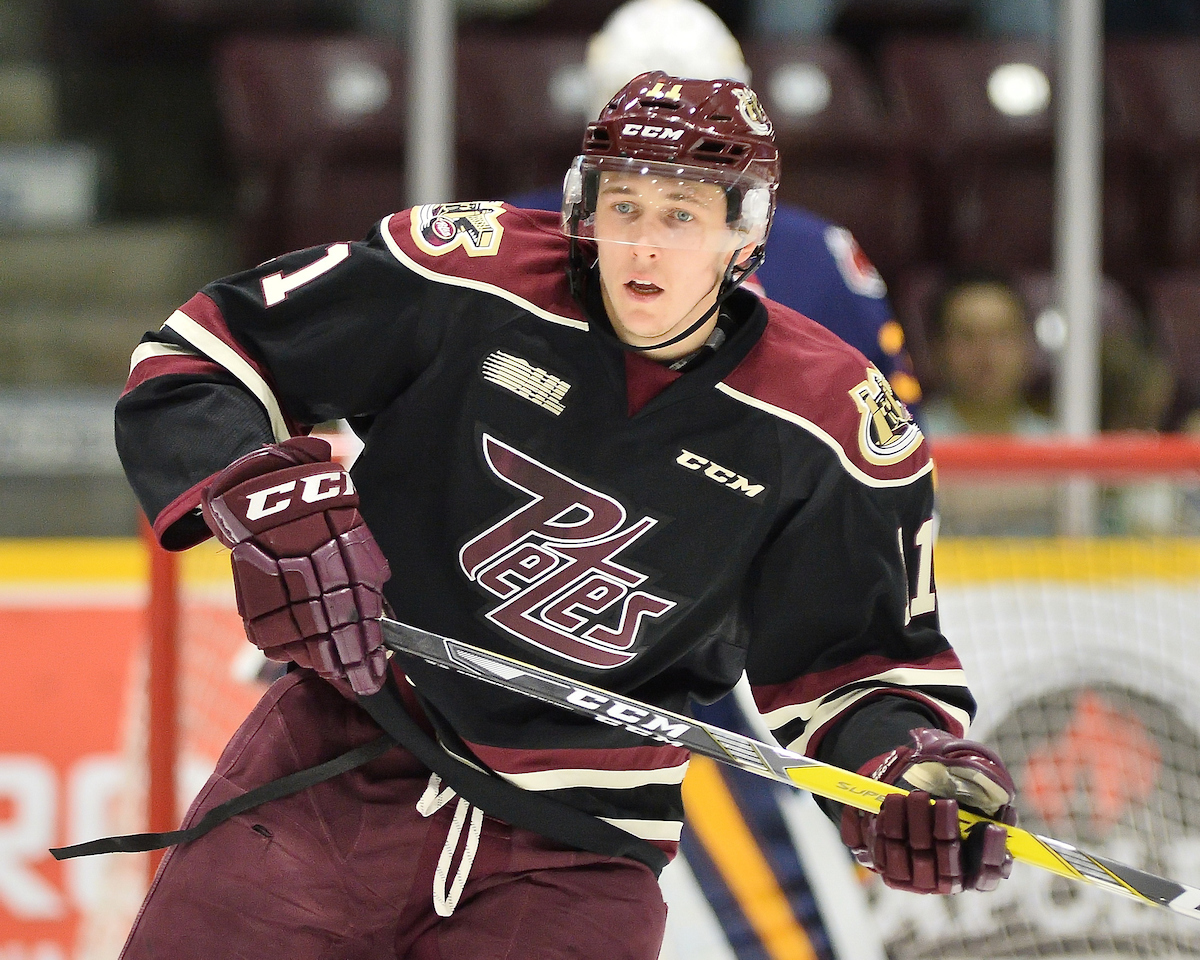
x=979 y=116
x=1154 y=95
x=315 y=127
x=522 y=106
x=1173 y=308
x=840 y=152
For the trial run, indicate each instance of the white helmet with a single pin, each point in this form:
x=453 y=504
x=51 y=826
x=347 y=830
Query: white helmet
x=683 y=38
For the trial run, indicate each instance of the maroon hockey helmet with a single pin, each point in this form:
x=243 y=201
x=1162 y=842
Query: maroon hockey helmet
x=710 y=131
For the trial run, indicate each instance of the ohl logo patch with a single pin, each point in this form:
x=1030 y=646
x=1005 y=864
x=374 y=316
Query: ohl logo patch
x=438 y=228
x=553 y=564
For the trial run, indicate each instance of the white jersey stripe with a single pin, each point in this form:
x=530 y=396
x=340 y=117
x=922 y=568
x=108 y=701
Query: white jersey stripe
x=900 y=677
x=220 y=352
x=565 y=779
x=851 y=468
x=831 y=709
x=147 y=351
x=648 y=829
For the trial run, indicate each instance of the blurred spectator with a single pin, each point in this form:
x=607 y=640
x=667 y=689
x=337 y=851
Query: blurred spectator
x=812 y=266
x=981 y=341
x=1137 y=386
x=1137 y=390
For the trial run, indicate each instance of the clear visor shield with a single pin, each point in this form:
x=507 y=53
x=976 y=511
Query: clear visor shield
x=666 y=205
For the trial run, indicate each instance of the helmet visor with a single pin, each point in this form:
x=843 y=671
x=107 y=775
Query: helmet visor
x=660 y=204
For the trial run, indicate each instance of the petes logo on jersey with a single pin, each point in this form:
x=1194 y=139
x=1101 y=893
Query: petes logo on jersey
x=438 y=228
x=525 y=380
x=886 y=430
x=552 y=562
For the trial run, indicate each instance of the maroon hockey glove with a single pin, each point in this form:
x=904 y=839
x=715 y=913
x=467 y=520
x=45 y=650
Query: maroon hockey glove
x=308 y=574
x=914 y=844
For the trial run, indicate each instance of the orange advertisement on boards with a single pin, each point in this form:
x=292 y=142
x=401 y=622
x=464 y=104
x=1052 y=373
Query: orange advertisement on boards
x=73 y=641
x=71 y=622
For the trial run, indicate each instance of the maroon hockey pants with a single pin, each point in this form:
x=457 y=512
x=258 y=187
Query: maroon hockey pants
x=351 y=869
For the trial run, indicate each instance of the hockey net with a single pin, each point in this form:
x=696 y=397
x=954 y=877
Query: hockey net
x=1083 y=651
x=1080 y=637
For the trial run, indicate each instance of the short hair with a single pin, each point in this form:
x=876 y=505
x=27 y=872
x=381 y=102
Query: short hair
x=960 y=279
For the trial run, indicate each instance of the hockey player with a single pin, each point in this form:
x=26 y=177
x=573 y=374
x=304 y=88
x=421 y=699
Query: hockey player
x=815 y=267
x=585 y=447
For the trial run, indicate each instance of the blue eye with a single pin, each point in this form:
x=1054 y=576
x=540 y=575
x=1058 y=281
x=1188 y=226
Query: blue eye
x=683 y=216
x=623 y=207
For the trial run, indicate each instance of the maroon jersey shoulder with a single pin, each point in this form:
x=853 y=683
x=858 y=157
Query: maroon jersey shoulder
x=515 y=253
x=808 y=376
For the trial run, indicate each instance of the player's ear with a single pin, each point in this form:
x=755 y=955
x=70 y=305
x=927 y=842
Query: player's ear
x=743 y=255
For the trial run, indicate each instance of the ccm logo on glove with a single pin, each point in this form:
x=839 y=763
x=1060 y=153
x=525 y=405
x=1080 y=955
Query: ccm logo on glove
x=313 y=489
x=308 y=574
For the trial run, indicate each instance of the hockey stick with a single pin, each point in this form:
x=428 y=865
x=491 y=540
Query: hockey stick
x=766 y=760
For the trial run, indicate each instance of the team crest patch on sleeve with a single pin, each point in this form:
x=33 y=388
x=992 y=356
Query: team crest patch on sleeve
x=853 y=264
x=525 y=380
x=887 y=432
x=438 y=228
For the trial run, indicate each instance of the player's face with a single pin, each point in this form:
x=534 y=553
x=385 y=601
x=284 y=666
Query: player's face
x=663 y=247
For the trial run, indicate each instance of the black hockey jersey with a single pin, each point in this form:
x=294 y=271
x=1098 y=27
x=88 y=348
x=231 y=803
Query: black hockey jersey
x=543 y=493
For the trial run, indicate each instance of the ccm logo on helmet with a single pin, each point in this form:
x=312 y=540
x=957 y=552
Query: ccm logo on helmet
x=321 y=486
x=650 y=132
x=715 y=471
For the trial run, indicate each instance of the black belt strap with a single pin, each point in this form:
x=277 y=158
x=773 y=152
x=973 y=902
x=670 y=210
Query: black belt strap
x=283 y=787
x=530 y=811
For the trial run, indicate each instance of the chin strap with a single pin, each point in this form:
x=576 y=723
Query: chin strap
x=734 y=277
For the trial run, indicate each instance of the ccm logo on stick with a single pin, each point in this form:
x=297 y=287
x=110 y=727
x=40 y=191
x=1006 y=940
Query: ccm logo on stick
x=321 y=486
x=714 y=471
x=635 y=719
x=650 y=132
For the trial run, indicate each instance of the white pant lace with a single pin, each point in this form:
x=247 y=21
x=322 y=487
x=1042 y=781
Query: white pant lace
x=432 y=800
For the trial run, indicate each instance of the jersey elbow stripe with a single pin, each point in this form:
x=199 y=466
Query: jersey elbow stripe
x=805 y=424
x=221 y=353
x=900 y=677
x=149 y=351
x=152 y=360
x=828 y=712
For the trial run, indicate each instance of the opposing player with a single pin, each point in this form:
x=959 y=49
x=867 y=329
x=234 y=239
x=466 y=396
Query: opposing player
x=813 y=266
x=585 y=447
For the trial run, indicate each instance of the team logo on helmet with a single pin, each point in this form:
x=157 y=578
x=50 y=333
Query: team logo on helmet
x=752 y=111
x=438 y=228
x=887 y=432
